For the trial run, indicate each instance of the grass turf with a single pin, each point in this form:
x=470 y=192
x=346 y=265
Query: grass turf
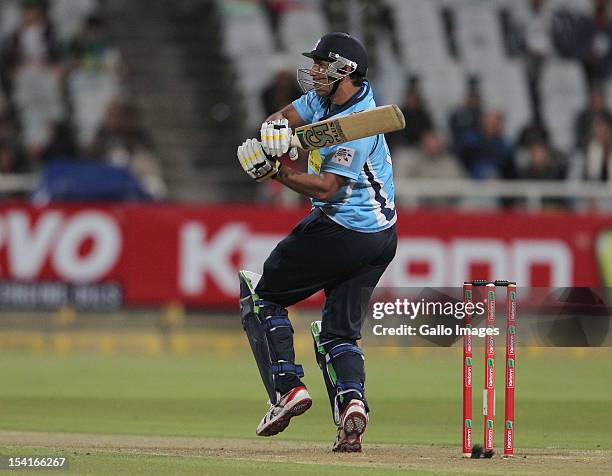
x=563 y=397
x=95 y=463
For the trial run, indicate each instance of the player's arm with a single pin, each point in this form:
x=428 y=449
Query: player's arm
x=320 y=187
x=289 y=113
x=261 y=166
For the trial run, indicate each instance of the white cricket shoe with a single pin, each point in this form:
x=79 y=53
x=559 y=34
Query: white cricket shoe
x=295 y=402
x=353 y=422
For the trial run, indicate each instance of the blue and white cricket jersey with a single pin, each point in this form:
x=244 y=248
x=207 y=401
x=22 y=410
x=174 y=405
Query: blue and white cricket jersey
x=366 y=203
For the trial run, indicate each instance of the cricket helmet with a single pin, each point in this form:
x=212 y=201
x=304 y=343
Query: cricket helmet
x=338 y=45
x=346 y=55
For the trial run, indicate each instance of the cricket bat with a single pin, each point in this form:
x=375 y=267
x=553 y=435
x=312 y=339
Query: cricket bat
x=378 y=120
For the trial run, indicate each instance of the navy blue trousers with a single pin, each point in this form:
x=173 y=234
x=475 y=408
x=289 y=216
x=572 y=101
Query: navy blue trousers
x=320 y=254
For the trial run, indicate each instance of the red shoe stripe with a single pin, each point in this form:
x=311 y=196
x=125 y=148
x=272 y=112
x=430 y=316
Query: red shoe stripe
x=294 y=391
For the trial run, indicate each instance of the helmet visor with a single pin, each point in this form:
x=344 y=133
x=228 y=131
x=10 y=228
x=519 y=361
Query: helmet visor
x=336 y=70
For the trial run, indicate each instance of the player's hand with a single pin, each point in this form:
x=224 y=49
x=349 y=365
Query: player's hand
x=255 y=162
x=276 y=138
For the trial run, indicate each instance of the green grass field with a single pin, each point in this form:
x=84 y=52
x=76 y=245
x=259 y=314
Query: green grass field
x=131 y=414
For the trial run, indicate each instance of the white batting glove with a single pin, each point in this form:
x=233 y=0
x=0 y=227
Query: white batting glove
x=276 y=138
x=256 y=162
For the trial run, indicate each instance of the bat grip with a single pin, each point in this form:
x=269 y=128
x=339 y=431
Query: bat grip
x=295 y=141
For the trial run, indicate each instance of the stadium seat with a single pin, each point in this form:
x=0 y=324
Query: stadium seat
x=443 y=87
x=248 y=42
x=563 y=95
x=90 y=94
x=420 y=32
x=38 y=100
x=389 y=81
x=68 y=16
x=300 y=27
x=478 y=34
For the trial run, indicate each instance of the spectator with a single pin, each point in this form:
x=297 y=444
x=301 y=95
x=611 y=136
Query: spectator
x=121 y=141
x=538 y=161
x=61 y=144
x=464 y=120
x=596 y=43
x=10 y=161
x=35 y=122
x=93 y=50
x=535 y=156
x=487 y=154
x=281 y=91
x=32 y=77
x=39 y=104
x=4 y=106
x=94 y=80
x=595 y=164
x=8 y=130
x=584 y=120
x=432 y=160
x=535 y=131
x=418 y=118
x=33 y=42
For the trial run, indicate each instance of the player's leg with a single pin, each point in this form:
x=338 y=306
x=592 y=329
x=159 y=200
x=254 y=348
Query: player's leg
x=301 y=264
x=316 y=254
x=263 y=307
x=287 y=279
x=338 y=355
x=341 y=360
x=270 y=335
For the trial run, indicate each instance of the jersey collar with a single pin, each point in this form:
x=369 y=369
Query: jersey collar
x=333 y=109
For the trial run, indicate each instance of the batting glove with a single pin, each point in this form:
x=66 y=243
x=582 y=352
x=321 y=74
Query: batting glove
x=255 y=162
x=276 y=138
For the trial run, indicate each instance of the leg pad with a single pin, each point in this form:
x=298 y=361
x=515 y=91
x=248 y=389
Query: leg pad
x=270 y=335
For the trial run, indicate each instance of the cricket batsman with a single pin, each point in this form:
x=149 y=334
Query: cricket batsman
x=342 y=246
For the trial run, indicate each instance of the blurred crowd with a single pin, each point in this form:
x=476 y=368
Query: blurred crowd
x=474 y=143
x=477 y=146
x=62 y=93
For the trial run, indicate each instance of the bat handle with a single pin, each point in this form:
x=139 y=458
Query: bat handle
x=295 y=141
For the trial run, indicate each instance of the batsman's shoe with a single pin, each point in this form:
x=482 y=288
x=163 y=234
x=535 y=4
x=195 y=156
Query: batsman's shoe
x=295 y=402
x=353 y=422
